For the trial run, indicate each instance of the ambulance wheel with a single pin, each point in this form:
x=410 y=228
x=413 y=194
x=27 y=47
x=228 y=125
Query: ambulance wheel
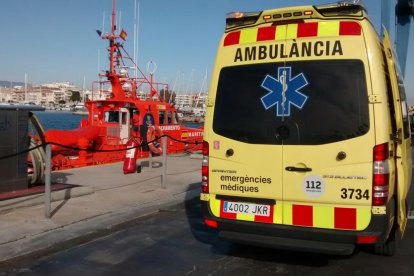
x=387 y=248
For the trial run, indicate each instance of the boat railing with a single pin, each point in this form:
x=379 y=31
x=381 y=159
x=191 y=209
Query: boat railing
x=144 y=90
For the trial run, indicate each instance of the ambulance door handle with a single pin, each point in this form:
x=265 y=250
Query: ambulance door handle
x=295 y=169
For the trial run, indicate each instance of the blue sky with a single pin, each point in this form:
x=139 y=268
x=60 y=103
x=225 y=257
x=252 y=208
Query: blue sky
x=55 y=40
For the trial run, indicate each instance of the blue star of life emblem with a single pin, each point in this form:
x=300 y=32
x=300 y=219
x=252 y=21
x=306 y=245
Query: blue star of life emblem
x=284 y=91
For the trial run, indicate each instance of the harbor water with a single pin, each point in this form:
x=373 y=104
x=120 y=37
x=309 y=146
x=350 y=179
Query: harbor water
x=58 y=119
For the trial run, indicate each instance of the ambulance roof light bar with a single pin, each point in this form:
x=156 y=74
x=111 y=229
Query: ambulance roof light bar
x=238 y=18
x=350 y=2
x=348 y=7
x=240 y=14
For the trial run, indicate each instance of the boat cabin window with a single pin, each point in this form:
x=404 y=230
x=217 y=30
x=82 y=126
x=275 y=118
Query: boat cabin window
x=132 y=112
x=111 y=116
x=170 y=117
x=124 y=118
x=161 y=117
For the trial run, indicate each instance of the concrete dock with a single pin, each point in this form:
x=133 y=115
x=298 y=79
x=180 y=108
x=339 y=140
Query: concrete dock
x=96 y=199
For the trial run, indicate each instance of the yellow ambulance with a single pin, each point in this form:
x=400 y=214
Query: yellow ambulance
x=307 y=137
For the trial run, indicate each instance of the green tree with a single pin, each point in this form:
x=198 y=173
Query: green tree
x=75 y=97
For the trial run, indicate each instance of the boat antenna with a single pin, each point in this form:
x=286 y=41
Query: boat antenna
x=119 y=20
x=112 y=75
x=151 y=68
x=136 y=33
x=112 y=38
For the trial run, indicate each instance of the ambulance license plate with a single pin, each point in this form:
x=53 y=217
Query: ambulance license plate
x=246 y=208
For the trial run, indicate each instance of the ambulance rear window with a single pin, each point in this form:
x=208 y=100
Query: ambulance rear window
x=297 y=103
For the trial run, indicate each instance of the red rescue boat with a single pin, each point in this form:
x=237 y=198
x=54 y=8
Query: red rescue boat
x=119 y=111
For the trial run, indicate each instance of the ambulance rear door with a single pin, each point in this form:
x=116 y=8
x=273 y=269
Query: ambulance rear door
x=326 y=126
x=328 y=141
x=403 y=149
x=245 y=158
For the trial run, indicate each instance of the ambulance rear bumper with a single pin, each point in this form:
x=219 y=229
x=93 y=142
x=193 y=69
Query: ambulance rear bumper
x=287 y=237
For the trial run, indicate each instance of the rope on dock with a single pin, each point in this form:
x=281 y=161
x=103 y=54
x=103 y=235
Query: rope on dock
x=43 y=145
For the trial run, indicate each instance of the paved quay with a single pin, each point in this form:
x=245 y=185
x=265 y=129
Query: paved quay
x=103 y=199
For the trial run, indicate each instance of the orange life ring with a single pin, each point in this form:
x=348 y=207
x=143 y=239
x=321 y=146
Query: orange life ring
x=153 y=133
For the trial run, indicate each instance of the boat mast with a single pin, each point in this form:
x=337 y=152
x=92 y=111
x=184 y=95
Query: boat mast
x=136 y=33
x=112 y=40
x=112 y=75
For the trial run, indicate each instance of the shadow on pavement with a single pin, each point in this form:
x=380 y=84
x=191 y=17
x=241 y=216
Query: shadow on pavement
x=155 y=164
x=206 y=235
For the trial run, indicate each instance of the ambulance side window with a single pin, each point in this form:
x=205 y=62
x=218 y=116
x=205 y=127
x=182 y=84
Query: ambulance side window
x=404 y=108
x=389 y=94
x=403 y=100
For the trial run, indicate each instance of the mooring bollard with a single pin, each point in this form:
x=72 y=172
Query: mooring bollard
x=164 y=163
x=47 y=181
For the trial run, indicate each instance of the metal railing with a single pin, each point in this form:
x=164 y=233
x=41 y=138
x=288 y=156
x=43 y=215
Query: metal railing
x=48 y=162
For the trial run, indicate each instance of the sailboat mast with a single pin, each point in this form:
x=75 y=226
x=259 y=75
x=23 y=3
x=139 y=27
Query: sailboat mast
x=25 y=87
x=83 y=89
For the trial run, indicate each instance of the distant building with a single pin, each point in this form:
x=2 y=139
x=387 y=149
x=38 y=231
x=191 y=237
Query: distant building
x=53 y=93
x=183 y=100
x=5 y=95
x=42 y=94
x=191 y=103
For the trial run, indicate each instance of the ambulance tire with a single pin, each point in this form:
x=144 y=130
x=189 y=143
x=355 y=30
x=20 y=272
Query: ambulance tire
x=387 y=248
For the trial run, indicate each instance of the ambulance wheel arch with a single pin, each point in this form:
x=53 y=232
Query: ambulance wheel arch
x=393 y=234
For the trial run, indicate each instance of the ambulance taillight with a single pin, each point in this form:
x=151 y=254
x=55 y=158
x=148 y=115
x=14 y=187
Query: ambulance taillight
x=380 y=175
x=204 y=168
x=211 y=223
